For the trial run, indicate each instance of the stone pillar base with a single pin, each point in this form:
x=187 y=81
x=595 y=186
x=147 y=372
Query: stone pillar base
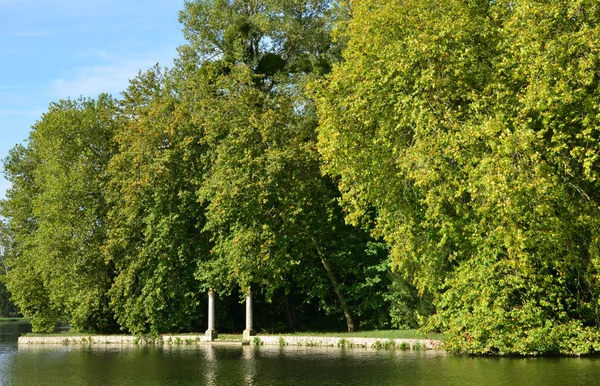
x=211 y=335
x=248 y=333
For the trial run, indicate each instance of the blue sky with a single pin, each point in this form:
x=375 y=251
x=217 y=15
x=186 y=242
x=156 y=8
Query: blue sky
x=55 y=49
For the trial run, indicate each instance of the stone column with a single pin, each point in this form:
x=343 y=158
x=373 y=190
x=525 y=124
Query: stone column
x=211 y=333
x=249 y=331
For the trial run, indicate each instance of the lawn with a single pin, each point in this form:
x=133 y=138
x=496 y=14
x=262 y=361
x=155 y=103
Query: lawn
x=383 y=334
x=2 y=319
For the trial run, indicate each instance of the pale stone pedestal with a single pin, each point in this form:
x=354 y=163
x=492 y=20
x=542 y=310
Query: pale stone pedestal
x=248 y=334
x=211 y=335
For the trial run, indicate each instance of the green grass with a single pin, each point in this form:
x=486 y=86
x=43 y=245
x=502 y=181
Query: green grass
x=67 y=334
x=230 y=337
x=222 y=337
x=383 y=334
x=12 y=320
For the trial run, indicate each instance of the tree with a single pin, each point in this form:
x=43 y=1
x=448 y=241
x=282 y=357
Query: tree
x=465 y=133
x=7 y=307
x=56 y=215
x=268 y=209
x=155 y=239
x=124 y=213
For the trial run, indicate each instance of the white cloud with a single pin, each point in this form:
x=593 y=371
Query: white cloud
x=89 y=81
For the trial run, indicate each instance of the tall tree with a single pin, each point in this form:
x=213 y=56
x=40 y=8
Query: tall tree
x=205 y=175
x=268 y=207
x=466 y=133
x=56 y=214
x=7 y=307
x=156 y=222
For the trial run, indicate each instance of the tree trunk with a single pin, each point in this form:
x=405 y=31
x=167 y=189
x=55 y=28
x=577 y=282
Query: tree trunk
x=337 y=288
x=290 y=315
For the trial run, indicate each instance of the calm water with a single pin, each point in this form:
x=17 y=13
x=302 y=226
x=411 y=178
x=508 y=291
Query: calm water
x=206 y=365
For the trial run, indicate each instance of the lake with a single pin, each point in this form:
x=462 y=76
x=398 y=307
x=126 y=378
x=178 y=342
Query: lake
x=271 y=365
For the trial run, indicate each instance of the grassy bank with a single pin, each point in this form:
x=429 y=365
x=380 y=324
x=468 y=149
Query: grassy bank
x=66 y=334
x=380 y=334
x=2 y=319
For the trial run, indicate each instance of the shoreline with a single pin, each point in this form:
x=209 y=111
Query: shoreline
x=259 y=340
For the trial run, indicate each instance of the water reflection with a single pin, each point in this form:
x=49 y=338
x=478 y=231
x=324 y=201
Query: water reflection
x=250 y=364
x=210 y=378
x=267 y=365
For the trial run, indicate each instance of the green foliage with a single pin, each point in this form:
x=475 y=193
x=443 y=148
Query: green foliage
x=56 y=215
x=466 y=134
x=7 y=307
x=361 y=265
x=287 y=36
x=155 y=219
x=272 y=216
x=124 y=213
x=23 y=275
x=407 y=307
x=264 y=187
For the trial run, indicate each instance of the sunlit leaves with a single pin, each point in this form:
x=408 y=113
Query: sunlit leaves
x=155 y=239
x=57 y=215
x=467 y=134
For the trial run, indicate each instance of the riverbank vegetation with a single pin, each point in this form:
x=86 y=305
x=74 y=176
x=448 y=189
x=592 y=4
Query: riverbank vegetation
x=383 y=164
x=9 y=319
x=382 y=334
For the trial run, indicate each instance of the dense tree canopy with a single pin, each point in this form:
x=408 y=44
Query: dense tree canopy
x=155 y=238
x=467 y=133
x=124 y=213
x=387 y=163
x=270 y=212
x=57 y=216
x=7 y=306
